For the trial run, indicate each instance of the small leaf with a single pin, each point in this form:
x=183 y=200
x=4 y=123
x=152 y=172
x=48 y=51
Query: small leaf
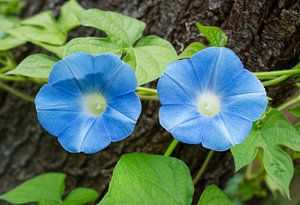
x=295 y=111
x=214 y=35
x=191 y=49
x=44 y=189
x=42 y=28
x=122 y=28
x=81 y=196
x=212 y=195
x=92 y=45
x=58 y=50
x=149 y=179
x=67 y=19
x=276 y=131
x=36 y=65
x=8 y=22
x=8 y=42
x=150 y=57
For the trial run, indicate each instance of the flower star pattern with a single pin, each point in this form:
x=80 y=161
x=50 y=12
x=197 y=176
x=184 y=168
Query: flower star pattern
x=210 y=99
x=89 y=102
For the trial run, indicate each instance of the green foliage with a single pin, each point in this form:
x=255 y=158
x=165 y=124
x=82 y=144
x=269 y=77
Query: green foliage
x=48 y=189
x=42 y=189
x=295 y=111
x=67 y=20
x=275 y=131
x=8 y=22
x=117 y=26
x=214 y=35
x=42 y=30
x=191 y=50
x=80 y=196
x=149 y=179
x=212 y=195
x=148 y=57
x=36 y=65
x=10 y=7
x=92 y=45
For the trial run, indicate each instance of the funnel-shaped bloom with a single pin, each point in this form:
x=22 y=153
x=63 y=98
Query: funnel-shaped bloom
x=89 y=102
x=210 y=99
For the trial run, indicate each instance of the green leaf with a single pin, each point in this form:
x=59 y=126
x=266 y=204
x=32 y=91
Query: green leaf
x=81 y=196
x=295 y=111
x=149 y=179
x=36 y=65
x=56 y=49
x=212 y=195
x=117 y=26
x=150 y=57
x=42 y=28
x=8 y=22
x=276 y=131
x=191 y=50
x=44 y=189
x=8 y=42
x=92 y=45
x=214 y=35
x=67 y=19
x=10 y=7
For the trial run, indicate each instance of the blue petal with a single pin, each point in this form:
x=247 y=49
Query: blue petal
x=204 y=63
x=85 y=134
x=237 y=127
x=119 y=125
x=128 y=104
x=51 y=98
x=172 y=92
x=56 y=109
x=116 y=77
x=184 y=75
x=96 y=139
x=216 y=66
x=73 y=136
x=190 y=131
x=55 y=121
x=172 y=115
x=76 y=66
x=244 y=83
x=248 y=106
x=216 y=136
x=218 y=133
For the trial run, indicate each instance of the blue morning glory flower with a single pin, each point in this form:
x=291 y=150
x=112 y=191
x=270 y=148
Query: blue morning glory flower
x=89 y=102
x=210 y=99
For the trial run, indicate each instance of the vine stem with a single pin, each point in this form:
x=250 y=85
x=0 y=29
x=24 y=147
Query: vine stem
x=16 y=93
x=146 y=90
x=275 y=80
x=203 y=167
x=289 y=103
x=171 y=148
x=276 y=73
x=146 y=97
x=12 y=78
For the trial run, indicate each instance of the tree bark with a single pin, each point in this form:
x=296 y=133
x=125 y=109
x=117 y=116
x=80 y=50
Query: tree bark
x=265 y=34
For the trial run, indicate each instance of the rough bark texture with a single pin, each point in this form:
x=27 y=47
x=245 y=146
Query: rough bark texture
x=264 y=33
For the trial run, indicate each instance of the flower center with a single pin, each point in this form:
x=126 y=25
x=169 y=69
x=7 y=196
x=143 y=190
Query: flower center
x=208 y=104
x=95 y=103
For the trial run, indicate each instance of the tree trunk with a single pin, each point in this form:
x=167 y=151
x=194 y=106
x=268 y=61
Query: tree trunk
x=264 y=33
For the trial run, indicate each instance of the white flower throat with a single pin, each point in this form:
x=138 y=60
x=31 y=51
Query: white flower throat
x=208 y=104
x=94 y=103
